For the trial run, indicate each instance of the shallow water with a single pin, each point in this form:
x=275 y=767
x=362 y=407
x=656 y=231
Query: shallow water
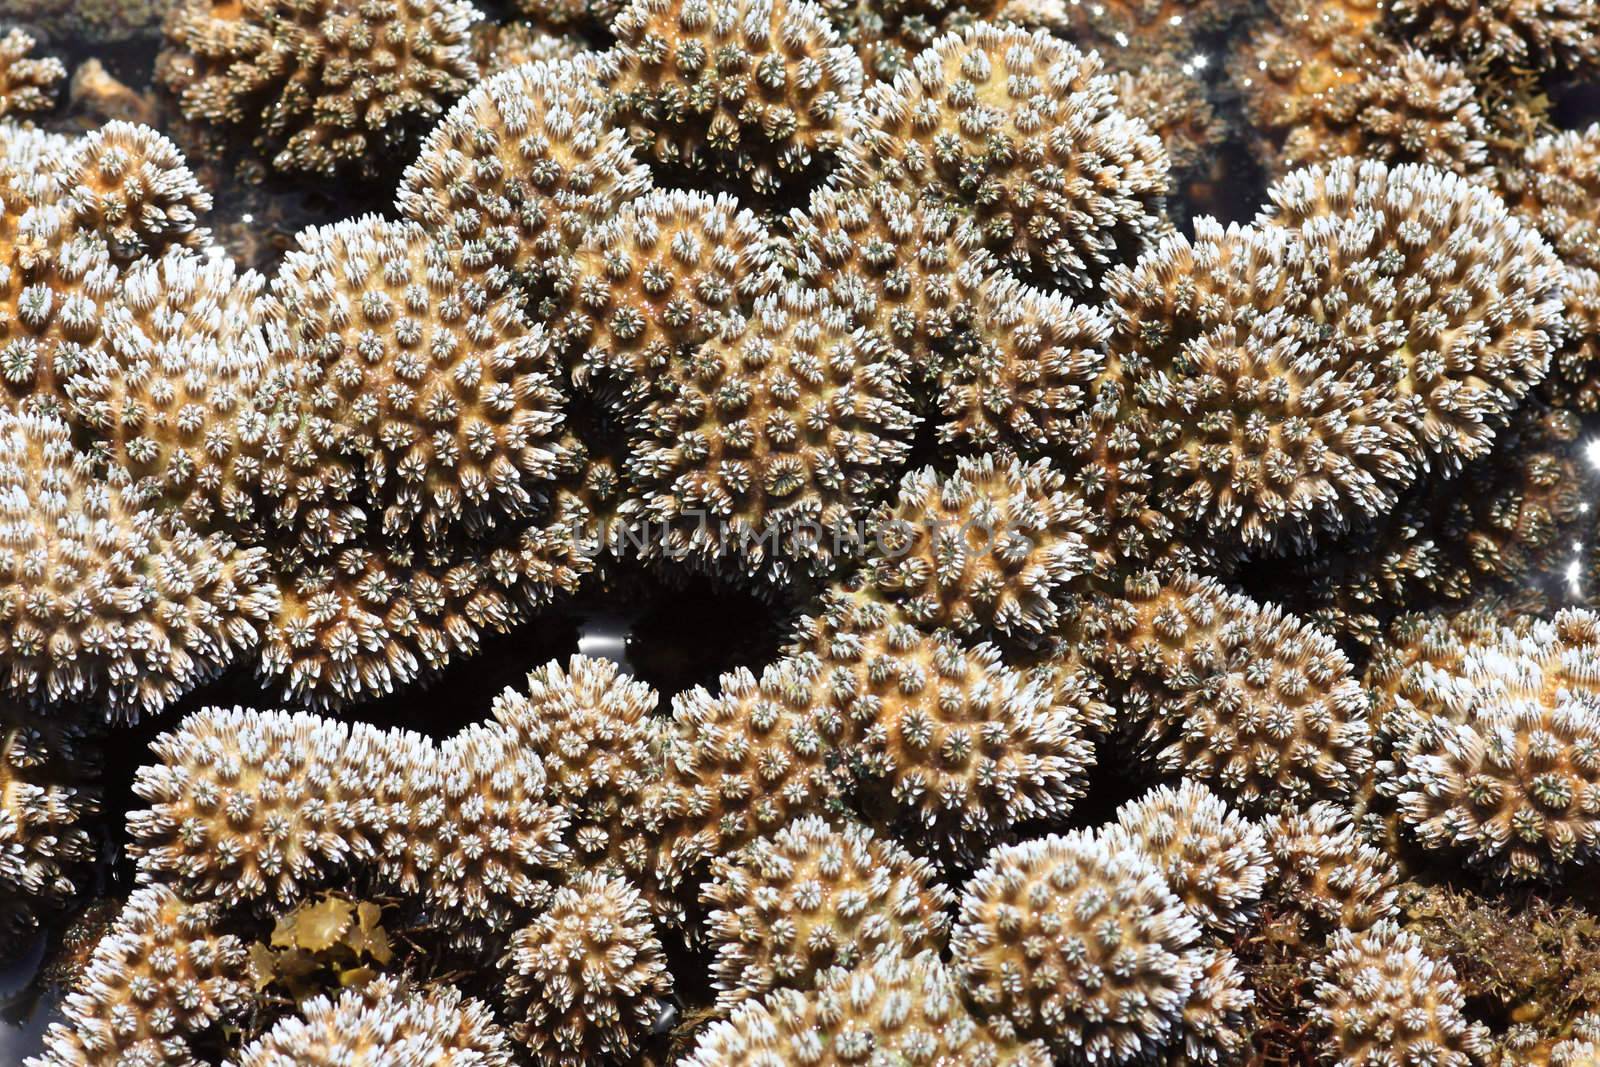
x=671 y=637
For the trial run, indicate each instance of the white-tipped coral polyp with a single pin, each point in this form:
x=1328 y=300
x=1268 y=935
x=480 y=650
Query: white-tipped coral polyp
x=1084 y=503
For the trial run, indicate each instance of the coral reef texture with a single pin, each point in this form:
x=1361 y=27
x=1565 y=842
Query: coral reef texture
x=800 y=533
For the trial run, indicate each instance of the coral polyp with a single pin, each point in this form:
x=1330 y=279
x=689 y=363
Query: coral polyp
x=955 y=745
x=1510 y=33
x=1379 y=994
x=43 y=839
x=161 y=975
x=26 y=84
x=602 y=744
x=106 y=599
x=1270 y=425
x=246 y=805
x=988 y=549
x=892 y=1009
x=587 y=977
x=799 y=533
x=812 y=897
x=1025 y=131
x=382 y=1021
x=1214 y=859
x=1499 y=758
x=133 y=187
x=1236 y=695
x=474 y=176
x=424 y=374
x=323 y=87
x=1074 y=942
x=770 y=445
x=754 y=91
x=1552 y=188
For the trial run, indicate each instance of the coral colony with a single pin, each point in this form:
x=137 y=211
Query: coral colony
x=1189 y=653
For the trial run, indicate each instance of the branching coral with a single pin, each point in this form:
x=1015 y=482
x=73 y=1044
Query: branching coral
x=162 y=975
x=601 y=745
x=586 y=979
x=1413 y=109
x=1011 y=364
x=1579 y=1046
x=1490 y=310
x=1215 y=860
x=1538 y=34
x=1071 y=686
x=1499 y=758
x=666 y=273
x=812 y=897
x=755 y=91
x=1299 y=372
x=107 y=21
x=106 y=599
x=1405 y=666
x=1024 y=132
x=957 y=747
x=953 y=388
x=523 y=166
x=133 y=187
x=384 y=1023
x=32 y=151
x=1326 y=872
x=744 y=762
x=1379 y=995
x=890 y=1010
x=991 y=548
x=1072 y=941
x=1553 y=189
x=421 y=373
x=251 y=805
x=567 y=16
x=43 y=805
x=770 y=445
x=1251 y=433
x=1130 y=526
x=383 y=421
x=1237 y=695
x=54 y=282
x=26 y=85
x=325 y=88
